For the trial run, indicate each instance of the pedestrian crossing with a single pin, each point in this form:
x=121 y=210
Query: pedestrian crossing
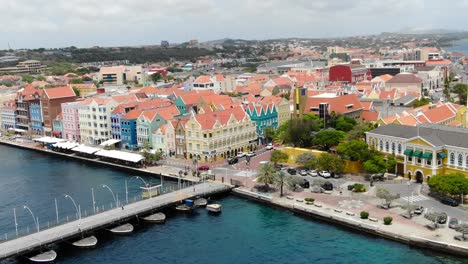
x=414 y=198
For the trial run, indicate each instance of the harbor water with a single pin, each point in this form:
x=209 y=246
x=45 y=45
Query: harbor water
x=244 y=232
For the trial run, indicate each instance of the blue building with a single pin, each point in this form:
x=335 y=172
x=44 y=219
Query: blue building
x=128 y=127
x=35 y=113
x=264 y=115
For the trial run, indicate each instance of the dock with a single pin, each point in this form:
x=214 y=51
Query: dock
x=70 y=230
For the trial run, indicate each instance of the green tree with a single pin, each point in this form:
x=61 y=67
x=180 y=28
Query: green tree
x=76 y=81
x=462 y=90
x=359 y=130
x=344 y=123
x=325 y=139
x=331 y=163
x=280 y=180
x=454 y=184
x=354 y=150
x=27 y=78
x=266 y=175
x=40 y=78
x=421 y=102
x=299 y=132
x=305 y=158
x=376 y=164
x=155 y=77
x=269 y=133
x=278 y=156
x=77 y=91
x=387 y=197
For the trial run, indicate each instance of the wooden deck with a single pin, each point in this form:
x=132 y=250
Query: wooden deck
x=69 y=230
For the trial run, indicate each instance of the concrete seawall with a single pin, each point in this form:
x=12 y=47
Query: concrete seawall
x=354 y=224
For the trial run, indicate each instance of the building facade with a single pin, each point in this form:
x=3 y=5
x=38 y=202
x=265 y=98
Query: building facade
x=424 y=151
x=35 y=112
x=95 y=120
x=71 y=122
x=51 y=100
x=8 y=115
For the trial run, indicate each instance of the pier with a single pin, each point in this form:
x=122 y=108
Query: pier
x=70 y=230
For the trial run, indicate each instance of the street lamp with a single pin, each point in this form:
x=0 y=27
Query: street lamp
x=408 y=198
x=126 y=186
x=78 y=211
x=36 y=220
x=110 y=190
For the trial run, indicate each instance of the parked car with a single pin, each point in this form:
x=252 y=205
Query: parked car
x=328 y=186
x=251 y=154
x=233 y=160
x=292 y=171
x=325 y=174
x=454 y=223
x=449 y=201
x=240 y=155
x=269 y=146
x=305 y=184
x=442 y=219
x=419 y=210
x=303 y=173
x=203 y=168
x=313 y=173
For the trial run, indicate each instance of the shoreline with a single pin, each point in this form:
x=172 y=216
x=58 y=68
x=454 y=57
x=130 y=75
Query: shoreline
x=340 y=219
x=99 y=162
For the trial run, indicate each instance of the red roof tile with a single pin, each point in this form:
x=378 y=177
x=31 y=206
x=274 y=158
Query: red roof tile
x=59 y=92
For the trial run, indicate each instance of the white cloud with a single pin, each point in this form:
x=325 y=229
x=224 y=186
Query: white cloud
x=32 y=23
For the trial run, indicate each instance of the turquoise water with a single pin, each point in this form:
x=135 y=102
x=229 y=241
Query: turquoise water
x=245 y=232
x=459 y=46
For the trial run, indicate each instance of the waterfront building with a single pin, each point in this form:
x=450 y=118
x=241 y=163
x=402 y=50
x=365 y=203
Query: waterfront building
x=24 y=98
x=95 y=120
x=423 y=151
x=35 y=111
x=57 y=127
x=219 y=134
x=128 y=129
x=264 y=115
x=8 y=111
x=180 y=138
x=164 y=138
x=51 y=100
x=71 y=122
x=150 y=120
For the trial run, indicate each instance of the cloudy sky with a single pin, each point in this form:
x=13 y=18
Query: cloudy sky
x=85 y=23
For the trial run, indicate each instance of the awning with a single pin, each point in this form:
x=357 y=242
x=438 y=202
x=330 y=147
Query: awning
x=427 y=155
x=408 y=152
x=120 y=155
x=110 y=142
x=417 y=153
x=441 y=155
x=17 y=130
x=55 y=132
x=65 y=145
x=86 y=149
x=48 y=140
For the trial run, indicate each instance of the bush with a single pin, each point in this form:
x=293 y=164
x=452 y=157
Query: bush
x=309 y=200
x=357 y=187
x=364 y=215
x=387 y=220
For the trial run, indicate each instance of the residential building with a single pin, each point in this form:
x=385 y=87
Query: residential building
x=180 y=138
x=28 y=66
x=423 y=151
x=150 y=120
x=24 y=98
x=120 y=75
x=128 y=128
x=57 y=127
x=8 y=111
x=407 y=82
x=71 y=122
x=37 y=124
x=51 y=100
x=95 y=120
x=324 y=104
x=85 y=89
x=264 y=115
x=220 y=134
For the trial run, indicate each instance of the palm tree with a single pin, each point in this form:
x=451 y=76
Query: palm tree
x=266 y=175
x=280 y=180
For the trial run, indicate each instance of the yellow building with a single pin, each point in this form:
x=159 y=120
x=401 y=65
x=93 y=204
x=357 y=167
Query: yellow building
x=85 y=89
x=423 y=151
x=220 y=134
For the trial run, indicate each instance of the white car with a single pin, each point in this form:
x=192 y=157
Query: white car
x=303 y=173
x=241 y=154
x=325 y=174
x=269 y=146
x=313 y=173
x=251 y=154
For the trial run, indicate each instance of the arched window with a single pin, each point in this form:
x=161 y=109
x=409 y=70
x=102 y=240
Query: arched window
x=399 y=148
x=452 y=159
x=386 y=146
x=466 y=161
x=393 y=147
x=381 y=145
x=460 y=160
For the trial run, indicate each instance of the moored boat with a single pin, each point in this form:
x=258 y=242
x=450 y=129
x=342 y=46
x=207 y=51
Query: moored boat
x=122 y=229
x=183 y=208
x=214 y=208
x=201 y=202
x=47 y=256
x=155 y=218
x=87 y=242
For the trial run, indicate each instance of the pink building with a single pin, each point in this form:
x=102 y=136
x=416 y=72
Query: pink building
x=71 y=124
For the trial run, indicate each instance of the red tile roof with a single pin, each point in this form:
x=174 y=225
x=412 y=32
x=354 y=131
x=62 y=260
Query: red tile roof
x=208 y=120
x=133 y=114
x=371 y=116
x=59 y=92
x=340 y=104
x=405 y=78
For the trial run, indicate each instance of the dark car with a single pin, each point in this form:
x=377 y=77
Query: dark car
x=203 y=168
x=328 y=186
x=449 y=201
x=442 y=219
x=305 y=184
x=233 y=160
x=292 y=171
x=454 y=223
x=419 y=210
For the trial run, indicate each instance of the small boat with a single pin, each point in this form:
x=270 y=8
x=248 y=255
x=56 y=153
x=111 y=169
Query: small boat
x=156 y=218
x=122 y=229
x=214 y=208
x=183 y=208
x=47 y=256
x=201 y=202
x=87 y=242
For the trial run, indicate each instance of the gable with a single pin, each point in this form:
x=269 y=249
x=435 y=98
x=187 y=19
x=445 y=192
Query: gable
x=421 y=142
